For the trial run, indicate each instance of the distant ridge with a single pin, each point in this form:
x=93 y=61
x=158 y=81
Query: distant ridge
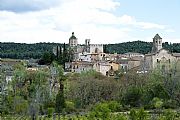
x=36 y=50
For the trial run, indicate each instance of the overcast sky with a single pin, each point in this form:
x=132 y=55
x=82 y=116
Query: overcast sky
x=102 y=21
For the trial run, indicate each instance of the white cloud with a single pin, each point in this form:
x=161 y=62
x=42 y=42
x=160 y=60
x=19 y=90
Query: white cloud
x=27 y=5
x=92 y=19
x=146 y=25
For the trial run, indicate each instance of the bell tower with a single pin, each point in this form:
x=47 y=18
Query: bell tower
x=73 y=40
x=157 y=43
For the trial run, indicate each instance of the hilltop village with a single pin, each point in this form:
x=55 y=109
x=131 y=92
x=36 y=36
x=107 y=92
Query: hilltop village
x=89 y=56
x=92 y=56
x=84 y=81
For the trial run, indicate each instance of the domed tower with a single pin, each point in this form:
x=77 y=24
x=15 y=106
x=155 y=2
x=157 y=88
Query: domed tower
x=157 y=43
x=73 y=41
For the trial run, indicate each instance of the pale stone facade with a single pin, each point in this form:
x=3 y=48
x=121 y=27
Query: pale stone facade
x=88 y=52
x=73 y=41
x=160 y=57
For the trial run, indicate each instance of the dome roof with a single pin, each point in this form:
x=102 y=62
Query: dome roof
x=72 y=37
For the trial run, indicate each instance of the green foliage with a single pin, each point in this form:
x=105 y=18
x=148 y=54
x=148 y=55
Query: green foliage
x=133 y=114
x=50 y=112
x=170 y=104
x=142 y=115
x=157 y=103
x=47 y=58
x=60 y=103
x=20 y=105
x=139 y=114
x=91 y=73
x=114 y=106
x=70 y=107
x=89 y=91
x=25 y=51
x=133 y=97
x=101 y=111
x=170 y=115
x=119 y=117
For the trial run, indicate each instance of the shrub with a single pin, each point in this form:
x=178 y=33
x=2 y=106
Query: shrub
x=132 y=97
x=170 y=104
x=133 y=114
x=157 y=103
x=60 y=102
x=114 y=106
x=100 y=111
x=141 y=114
x=70 y=107
x=20 y=105
x=50 y=112
x=169 y=114
x=119 y=117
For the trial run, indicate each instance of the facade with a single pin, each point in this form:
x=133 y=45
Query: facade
x=73 y=42
x=91 y=56
x=132 y=54
x=86 y=52
x=160 y=57
x=101 y=66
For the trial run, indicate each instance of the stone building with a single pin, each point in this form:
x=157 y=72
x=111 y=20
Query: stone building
x=160 y=57
x=85 y=51
x=104 y=67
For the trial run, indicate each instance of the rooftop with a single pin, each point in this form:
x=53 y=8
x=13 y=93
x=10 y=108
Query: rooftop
x=72 y=37
x=157 y=37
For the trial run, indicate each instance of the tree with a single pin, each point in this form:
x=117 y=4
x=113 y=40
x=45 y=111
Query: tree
x=133 y=97
x=3 y=90
x=60 y=100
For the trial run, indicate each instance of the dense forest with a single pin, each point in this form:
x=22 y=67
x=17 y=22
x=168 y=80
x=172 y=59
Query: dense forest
x=139 y=46
x=26 y=51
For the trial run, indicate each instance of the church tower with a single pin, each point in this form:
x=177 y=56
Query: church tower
x=73 y=41
x=87 y=45
x=157 y=43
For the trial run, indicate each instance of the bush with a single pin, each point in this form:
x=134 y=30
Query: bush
x=20 y=105
x=133 y=97
x=114 y=106
x=157 y=103
x=133 y=114
x=169 y=114
x=50 y=112
x=170 y=104
x=60 y=102
x=100 y=111
x=119 y=117
x=138 y=114
x=141 y=114
x=70 y=107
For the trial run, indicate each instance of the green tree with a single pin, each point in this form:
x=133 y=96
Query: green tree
x=60 y=100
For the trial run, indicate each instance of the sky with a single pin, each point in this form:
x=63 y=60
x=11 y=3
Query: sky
x=102 y=21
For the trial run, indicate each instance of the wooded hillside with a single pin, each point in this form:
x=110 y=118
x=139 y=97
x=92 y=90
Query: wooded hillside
x=26 y=51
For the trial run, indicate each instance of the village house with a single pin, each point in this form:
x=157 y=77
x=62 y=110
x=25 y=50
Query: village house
x=91 y=56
